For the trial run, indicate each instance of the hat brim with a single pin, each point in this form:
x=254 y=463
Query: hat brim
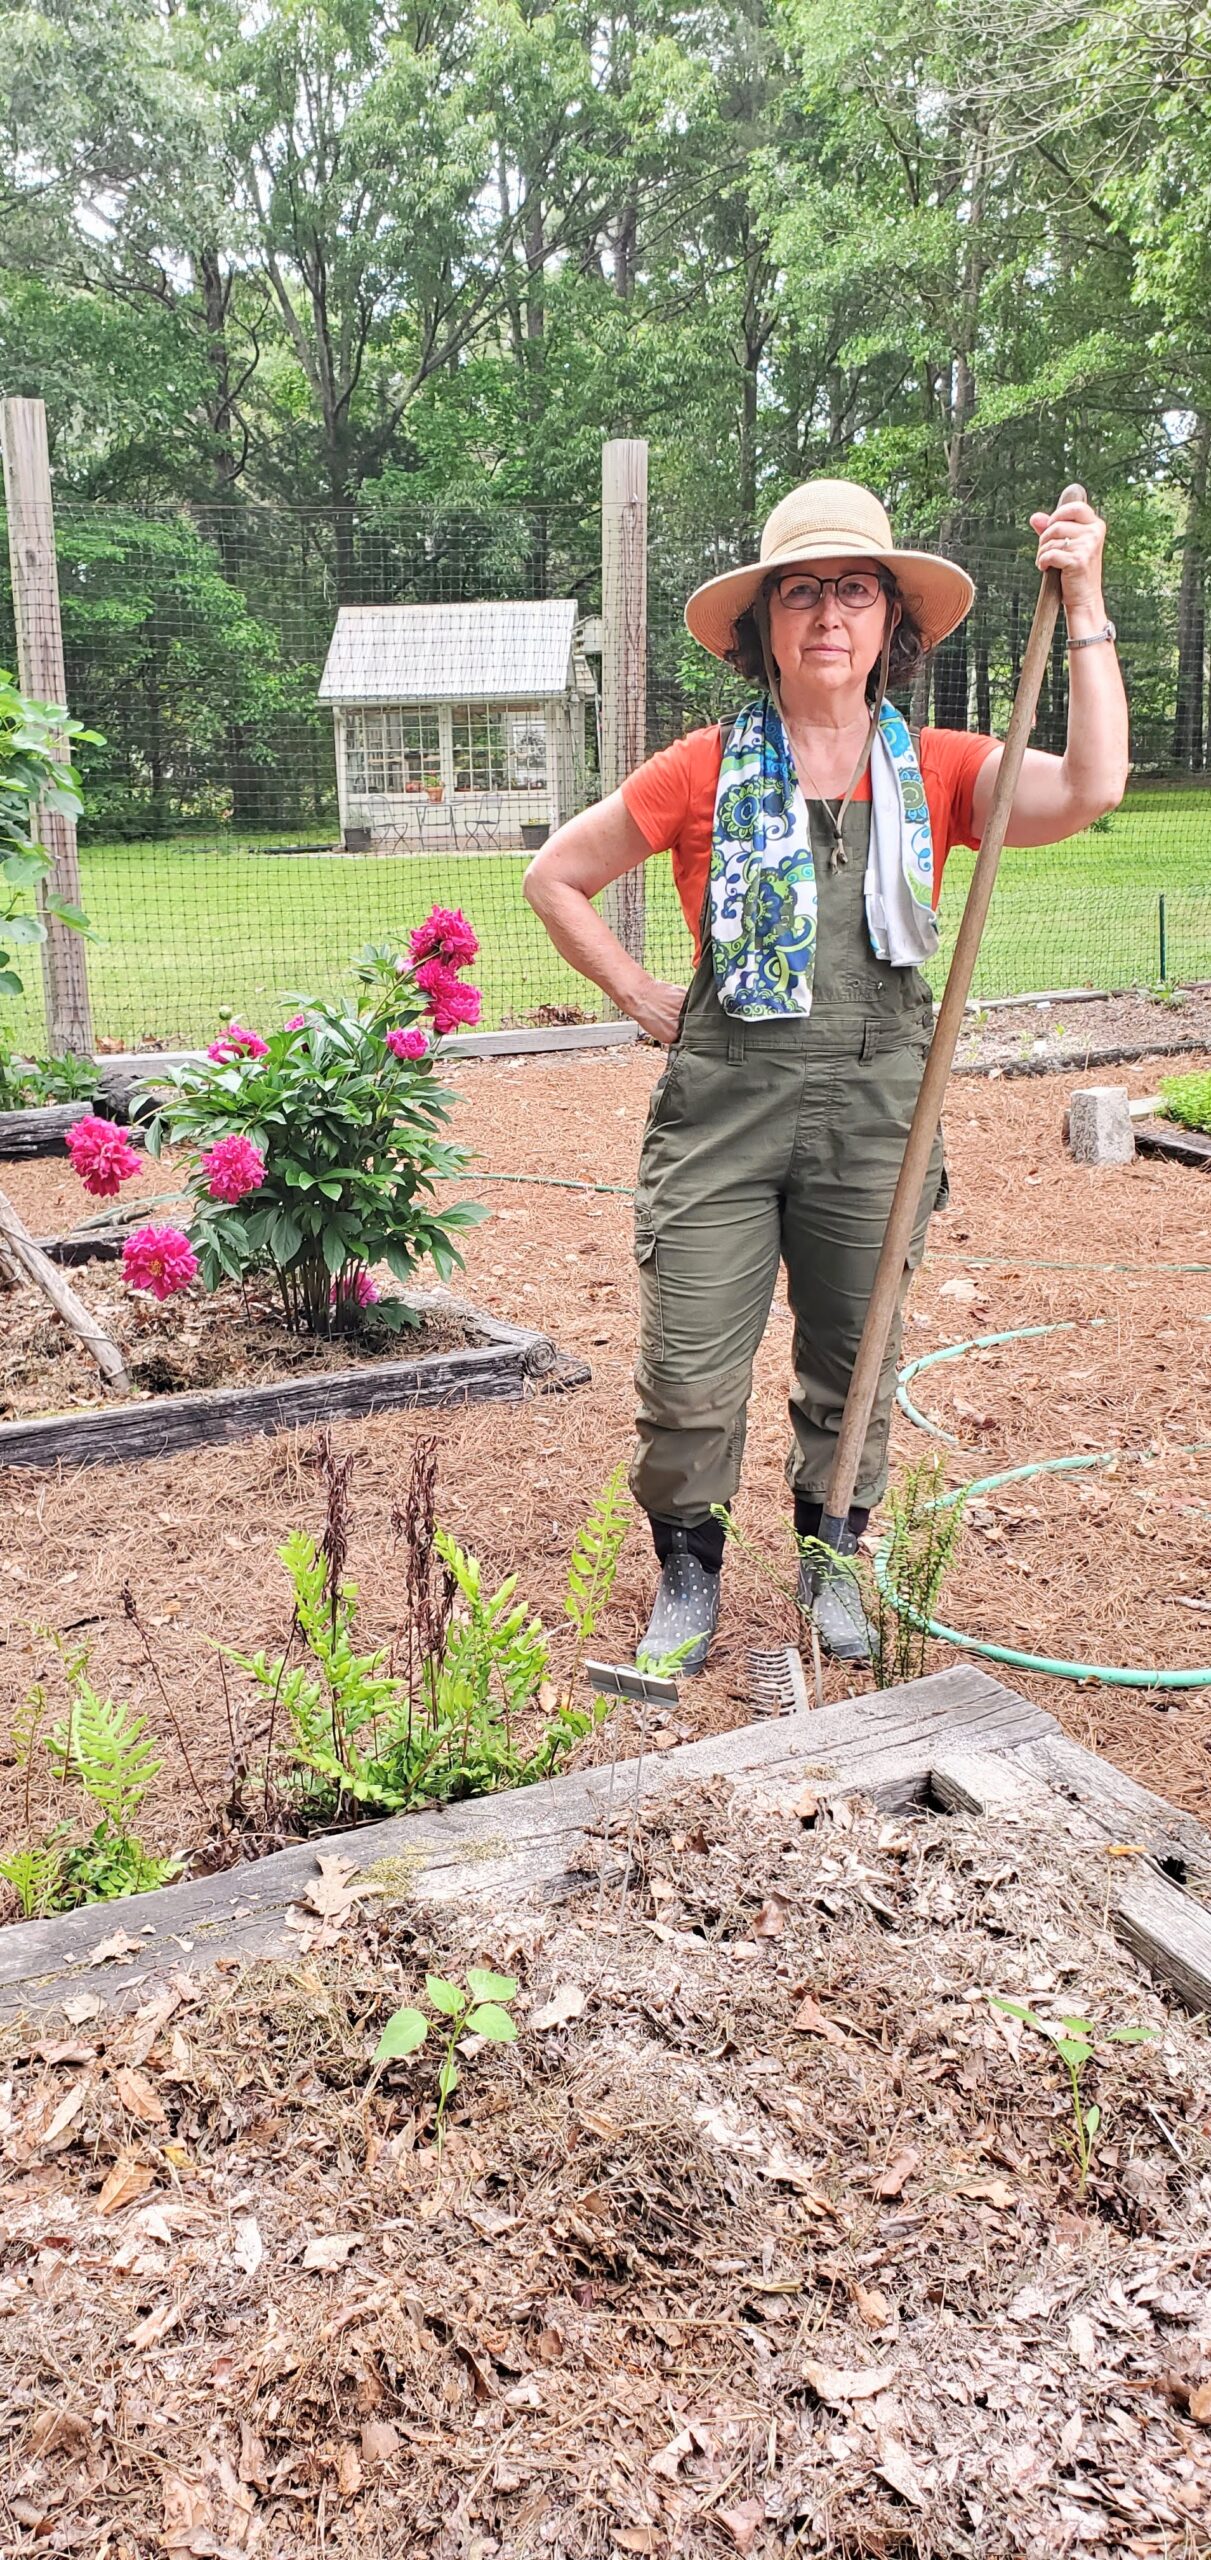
x=937 y=593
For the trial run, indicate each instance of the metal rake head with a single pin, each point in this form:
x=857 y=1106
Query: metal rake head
x=776 y=1682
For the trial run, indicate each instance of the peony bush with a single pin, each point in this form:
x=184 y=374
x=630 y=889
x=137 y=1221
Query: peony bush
x=316 y=1149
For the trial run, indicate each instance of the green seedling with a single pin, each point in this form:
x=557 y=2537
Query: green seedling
x=1075 y=2040
x=481 y=2009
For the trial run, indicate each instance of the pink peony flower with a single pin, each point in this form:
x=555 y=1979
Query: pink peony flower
x=360 y=1290
x=451 y=1001
x=160 y=1259
x=233 y=1168
x=102 y=1157
x=408 y=1044
x=446 y=933
x=237 y=1043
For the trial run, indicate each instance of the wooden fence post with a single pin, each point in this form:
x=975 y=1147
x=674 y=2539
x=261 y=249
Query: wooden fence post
x=40 y=672
x=624 y=656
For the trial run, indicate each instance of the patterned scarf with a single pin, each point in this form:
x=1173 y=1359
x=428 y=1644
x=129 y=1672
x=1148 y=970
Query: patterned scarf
x=763 y=877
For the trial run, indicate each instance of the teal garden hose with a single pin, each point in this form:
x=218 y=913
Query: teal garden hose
x=1110 y=1675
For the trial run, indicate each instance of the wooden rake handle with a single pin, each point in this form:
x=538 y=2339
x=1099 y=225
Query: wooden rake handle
x=906 y=1199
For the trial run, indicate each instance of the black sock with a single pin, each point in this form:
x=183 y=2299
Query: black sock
x=706 y=1540
x=809 y=1514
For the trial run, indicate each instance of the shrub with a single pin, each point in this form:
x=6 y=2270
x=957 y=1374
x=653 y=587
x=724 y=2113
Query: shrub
x=316 y=1149
x=32 y=778
x=1187 y=1099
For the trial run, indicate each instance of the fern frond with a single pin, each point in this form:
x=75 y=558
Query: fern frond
x=594 y=1559
x=26 y=1724
x=35 y=1874
x=104 y=1746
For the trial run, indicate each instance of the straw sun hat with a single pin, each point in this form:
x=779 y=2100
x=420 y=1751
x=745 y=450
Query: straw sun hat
x=827 y=520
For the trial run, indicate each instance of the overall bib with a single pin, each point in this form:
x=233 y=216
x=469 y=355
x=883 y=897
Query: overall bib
x=771 y=1142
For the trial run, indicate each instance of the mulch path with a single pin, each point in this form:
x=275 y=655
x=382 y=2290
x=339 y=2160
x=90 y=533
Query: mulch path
x=1093 y=1567
x=762 y=2238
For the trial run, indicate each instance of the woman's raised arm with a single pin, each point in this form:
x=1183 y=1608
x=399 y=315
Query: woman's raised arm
x=1058 y=795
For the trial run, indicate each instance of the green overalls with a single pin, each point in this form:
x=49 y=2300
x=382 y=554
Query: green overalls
x=768 y=1142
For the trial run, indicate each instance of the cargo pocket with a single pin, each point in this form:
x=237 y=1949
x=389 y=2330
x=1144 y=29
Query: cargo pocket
x=651 y=1320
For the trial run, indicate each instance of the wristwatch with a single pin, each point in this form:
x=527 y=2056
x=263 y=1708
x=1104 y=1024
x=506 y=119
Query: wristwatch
x=1107 y=632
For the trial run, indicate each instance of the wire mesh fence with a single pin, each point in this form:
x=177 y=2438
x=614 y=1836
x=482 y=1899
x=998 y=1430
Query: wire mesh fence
x=315 y=728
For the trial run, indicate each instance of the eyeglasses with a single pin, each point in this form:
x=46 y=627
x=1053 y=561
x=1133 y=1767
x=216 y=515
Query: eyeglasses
x=855 y=590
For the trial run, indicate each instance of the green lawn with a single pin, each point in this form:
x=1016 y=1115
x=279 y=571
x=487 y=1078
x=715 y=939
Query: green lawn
x=188 y=929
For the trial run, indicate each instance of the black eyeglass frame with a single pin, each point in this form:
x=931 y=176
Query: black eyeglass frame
x=885 y=586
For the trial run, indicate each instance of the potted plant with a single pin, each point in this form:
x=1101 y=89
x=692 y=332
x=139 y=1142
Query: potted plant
x=534 y=832
x=435 y=791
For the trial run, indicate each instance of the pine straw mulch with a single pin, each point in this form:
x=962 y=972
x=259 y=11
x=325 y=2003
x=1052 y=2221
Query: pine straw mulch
x=773 y=2248
x=1061 y=1572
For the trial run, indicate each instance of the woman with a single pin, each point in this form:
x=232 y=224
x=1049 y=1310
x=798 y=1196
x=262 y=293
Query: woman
x=808 y=837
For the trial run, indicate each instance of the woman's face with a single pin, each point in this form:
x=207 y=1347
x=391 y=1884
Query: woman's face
x=827 y=648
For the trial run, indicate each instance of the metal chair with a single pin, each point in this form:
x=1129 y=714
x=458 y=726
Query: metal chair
x=481 y=827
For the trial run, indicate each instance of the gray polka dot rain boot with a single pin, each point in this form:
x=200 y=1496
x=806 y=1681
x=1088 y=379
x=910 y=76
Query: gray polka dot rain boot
x=833 y=1598
x=685 y=1612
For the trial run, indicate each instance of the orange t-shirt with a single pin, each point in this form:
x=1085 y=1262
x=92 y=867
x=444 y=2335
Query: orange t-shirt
x=672 y=801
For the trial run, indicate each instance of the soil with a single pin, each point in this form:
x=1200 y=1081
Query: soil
x=1070 y=1032
x=762 y=2238
x=232 y=1338
x=1099 y=1566
x=227 y=1340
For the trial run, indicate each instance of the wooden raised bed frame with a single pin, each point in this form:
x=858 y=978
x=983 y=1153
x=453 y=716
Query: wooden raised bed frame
x=1180 y=1146
x=958 y=1741
x=505 y=1366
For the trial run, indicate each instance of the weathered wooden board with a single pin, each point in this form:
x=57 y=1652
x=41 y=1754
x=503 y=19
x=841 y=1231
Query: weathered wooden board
x=500 y=1368
x=984 y=1782
x=531 y=1840
x=1181 y=1146
x=1120 y=1810
x=42 y=1132
x=1170 y=1933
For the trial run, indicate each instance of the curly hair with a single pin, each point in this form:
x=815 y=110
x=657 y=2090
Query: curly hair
x=908 y=647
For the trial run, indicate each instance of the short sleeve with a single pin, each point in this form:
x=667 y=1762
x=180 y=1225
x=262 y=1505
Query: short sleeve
x=955 y=757
x=661 y=794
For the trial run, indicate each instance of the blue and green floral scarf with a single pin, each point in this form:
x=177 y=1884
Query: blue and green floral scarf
x=763 y=877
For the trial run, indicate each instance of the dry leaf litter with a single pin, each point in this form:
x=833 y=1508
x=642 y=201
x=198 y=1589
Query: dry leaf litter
x=761 y=2239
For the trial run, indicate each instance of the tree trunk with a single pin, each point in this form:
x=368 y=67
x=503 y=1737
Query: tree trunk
x=535 y=369
x=625 y=251
x=983 y=679
x=1189 y=721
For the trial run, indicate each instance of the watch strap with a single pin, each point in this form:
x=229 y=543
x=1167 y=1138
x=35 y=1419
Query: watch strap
x=1094 y=638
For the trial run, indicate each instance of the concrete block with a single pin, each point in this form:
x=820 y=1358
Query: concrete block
x=1099 y=1125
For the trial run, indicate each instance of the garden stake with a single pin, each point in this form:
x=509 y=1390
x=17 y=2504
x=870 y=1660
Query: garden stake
x=902 y=1216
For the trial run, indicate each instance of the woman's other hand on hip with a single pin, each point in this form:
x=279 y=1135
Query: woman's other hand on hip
x=657 y=1009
